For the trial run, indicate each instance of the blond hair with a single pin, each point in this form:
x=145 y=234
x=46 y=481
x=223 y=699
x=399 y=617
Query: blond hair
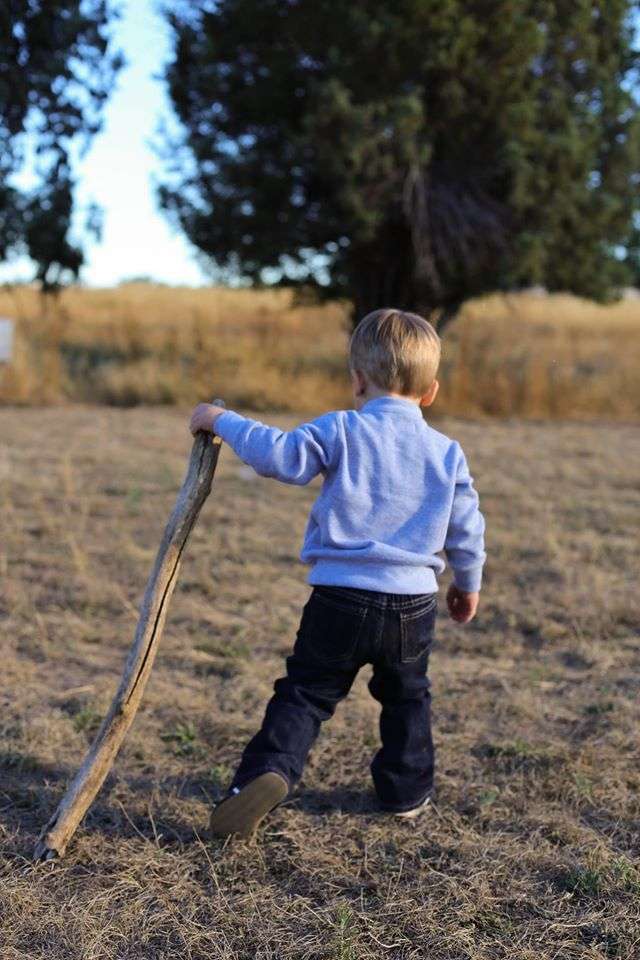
x=398 y=351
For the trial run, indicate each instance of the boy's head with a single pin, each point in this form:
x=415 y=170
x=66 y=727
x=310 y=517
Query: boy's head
x=392 y=351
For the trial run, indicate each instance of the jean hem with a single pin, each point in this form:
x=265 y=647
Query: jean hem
x=257 y=772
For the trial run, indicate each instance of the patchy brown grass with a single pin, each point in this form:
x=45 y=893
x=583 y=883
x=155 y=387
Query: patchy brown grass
x=528 y=356
x=531 y=852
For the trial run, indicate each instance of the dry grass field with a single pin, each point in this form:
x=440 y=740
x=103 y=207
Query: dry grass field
x=519 y=355
x=531 y=850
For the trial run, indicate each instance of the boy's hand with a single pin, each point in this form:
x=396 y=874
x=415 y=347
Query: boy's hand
x=462 y=605
x=204 y=417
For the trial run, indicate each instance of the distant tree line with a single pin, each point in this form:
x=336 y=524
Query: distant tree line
x=402 y=152
x=407 y=152
x=56 y=71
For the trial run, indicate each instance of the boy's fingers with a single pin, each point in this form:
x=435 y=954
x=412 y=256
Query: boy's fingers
x=195 y=426
x=461 y=609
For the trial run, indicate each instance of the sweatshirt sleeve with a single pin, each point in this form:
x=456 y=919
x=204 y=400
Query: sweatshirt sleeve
x=464 y=543
x=295 y=456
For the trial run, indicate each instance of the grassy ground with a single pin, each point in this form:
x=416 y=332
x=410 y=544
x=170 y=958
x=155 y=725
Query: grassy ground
x=532 y=848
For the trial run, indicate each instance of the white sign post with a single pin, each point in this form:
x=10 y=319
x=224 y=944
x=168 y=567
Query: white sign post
x=6 y=340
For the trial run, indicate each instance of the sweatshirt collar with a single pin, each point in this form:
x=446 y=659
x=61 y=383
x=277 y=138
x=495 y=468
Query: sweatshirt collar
x=394 y=405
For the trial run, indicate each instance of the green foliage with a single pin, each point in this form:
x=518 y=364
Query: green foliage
x=87 y=719
x=344 y=932
x=519 y=755
x=627 y=875
x=15 y=760
x=184 y=738
x=593 y=878
x=414 y=152
x=219 y=774
x=56 y=71
x=584 y=881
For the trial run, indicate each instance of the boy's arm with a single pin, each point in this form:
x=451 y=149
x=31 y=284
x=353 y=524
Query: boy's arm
x=464 y=543
x=294 y=456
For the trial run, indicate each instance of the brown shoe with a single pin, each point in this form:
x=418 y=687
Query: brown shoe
x=239 y=814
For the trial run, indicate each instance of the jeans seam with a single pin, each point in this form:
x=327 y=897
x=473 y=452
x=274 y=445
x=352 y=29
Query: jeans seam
x=414 y=613
x=371 y=598
x=424 y=649
x=349 y=598
x=360 y=612
x=343 y=607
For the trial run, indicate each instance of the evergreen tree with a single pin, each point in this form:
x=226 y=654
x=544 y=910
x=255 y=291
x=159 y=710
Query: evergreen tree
x=406 y=152
x=56 y=71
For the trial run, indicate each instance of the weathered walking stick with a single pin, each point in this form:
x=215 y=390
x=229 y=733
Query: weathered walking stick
x=82 y=790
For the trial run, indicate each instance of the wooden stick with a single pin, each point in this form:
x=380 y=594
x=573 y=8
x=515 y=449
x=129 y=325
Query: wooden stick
x=82 y=790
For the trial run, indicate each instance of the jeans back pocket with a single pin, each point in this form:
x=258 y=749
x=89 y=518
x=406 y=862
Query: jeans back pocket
x=417 y=630
x=330 y=628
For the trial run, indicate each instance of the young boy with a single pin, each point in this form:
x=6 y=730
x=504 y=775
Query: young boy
x=395 y=494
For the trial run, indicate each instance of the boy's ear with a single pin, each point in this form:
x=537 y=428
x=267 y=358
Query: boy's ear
x=359 y=382
x=427 y=399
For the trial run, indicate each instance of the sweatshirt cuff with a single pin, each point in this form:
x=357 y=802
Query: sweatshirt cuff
x=226 y=425
x=468 y=580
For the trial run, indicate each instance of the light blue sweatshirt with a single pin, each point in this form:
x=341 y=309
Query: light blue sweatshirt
x=395 y=494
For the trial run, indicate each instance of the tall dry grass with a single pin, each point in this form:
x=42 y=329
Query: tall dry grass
x=519 y=355
x=544 y=357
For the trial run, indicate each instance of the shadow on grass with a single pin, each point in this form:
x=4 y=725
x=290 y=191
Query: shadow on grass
x=30 y=795
x=343 y=799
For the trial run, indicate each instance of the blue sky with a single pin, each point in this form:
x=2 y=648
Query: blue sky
x=118 y=169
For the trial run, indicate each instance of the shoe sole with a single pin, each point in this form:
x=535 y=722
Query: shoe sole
x=240 y=814
x=414 y=812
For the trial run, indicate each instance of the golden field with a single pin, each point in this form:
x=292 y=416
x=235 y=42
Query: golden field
x=517 y=355
x=532 y=847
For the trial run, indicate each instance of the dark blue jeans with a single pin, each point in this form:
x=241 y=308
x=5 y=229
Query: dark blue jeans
x=341 y=630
